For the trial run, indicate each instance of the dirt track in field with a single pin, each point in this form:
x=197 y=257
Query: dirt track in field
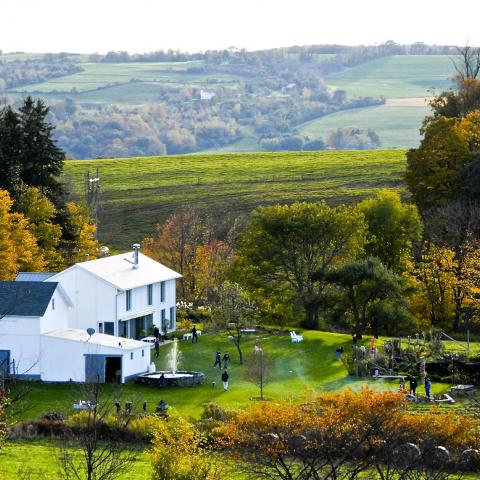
x=407 y=102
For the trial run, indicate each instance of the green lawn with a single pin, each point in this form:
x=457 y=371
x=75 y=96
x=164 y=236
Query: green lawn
x=38 y=460
x=298 y=370
x=139 y=193
x=397 y=126
x=97 y=75
x=399 y=76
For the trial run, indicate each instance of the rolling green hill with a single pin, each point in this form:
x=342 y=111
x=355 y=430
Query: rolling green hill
x=98 y=75
x=139 y=193
x=396 y=125
x=398 y=76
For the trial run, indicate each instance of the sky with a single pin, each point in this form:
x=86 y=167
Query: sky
x=87 y=26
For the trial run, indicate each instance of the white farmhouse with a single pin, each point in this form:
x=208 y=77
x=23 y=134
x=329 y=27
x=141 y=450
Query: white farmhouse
x=47 y=320
x=121 y=295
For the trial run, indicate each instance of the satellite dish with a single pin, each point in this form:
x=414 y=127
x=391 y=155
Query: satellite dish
x=90 y=331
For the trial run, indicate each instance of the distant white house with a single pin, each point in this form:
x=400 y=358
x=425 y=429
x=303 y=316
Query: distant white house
x=206 y=95
x=44 y=319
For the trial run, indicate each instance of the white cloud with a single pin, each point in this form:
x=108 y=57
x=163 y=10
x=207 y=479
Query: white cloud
x=145 y=25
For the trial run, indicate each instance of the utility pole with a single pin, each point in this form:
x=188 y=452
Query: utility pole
x=92 y=195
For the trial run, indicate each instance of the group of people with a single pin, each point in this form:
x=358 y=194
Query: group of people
x=161 y=407
x=413 y=385
x=218 y=362
x=219 y=359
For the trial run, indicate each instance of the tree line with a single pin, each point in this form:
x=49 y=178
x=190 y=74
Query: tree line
x=40 y=227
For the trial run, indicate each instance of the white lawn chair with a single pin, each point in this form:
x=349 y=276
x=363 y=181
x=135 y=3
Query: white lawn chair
x=296 y=338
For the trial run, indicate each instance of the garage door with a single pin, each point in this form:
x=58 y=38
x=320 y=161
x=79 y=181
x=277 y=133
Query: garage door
x=95 y=368
x=4 y=363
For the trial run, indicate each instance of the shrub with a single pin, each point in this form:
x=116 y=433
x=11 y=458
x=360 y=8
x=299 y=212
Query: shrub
x=144 y=427
x=185 y=324
x=3 y=416
x=179 y=453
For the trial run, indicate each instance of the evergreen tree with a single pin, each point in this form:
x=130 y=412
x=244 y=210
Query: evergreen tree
x=11 y=145
x=28 y=152
x=42 y=159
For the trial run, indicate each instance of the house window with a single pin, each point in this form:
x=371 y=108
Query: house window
x=172 y=318
x=131 y=355
x=162 y=291
x=109 y=328
x=100 y=327
x=53 y=304
x=143 y=353
x=150 y=294
x=128 y=300
x=122 y=329
x=163 y=322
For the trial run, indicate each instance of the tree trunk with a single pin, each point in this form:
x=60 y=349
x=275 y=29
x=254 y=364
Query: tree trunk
x=458 y=300
x=237 y=344
x=312 y=317
x=356 y=314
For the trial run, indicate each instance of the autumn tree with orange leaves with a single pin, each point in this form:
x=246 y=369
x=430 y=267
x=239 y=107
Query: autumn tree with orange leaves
x=345 y=436
x=18 y=246
x=187 y=244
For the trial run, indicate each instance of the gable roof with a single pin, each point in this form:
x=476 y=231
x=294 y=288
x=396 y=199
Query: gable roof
x=33 y=276
x=101 y=339
x=25 y=299
x=119 y=272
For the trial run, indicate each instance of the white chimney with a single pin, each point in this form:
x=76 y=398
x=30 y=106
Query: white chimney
x=136 y=248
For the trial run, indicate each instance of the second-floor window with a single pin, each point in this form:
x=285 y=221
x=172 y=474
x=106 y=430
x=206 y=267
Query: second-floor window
x=128 y=300
x=162 y=291
x=150 y=294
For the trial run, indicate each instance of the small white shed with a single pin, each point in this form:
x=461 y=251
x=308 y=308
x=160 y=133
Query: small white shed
x=96 y=358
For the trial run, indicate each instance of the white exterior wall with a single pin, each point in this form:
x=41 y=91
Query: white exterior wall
x=55 y=350
x=58 y=317
x=21 y=336
x=93 y=299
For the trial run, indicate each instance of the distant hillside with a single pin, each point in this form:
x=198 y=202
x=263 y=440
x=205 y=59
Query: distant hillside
x=139 y=193
x=122 y=105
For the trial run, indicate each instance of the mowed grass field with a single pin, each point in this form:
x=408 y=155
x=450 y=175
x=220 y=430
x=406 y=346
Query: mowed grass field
x=98 y=75
x=398 y=76
x=139 y=193
x=397 y=126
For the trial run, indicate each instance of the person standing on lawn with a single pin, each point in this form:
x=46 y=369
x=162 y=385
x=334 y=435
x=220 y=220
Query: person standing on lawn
x=428 y=387
x=194 y=334
x=226 y=359
x=413 y=386
x=218 y=360
x=225 y=377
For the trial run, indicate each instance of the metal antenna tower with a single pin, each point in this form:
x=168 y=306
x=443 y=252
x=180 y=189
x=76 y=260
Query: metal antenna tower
x=92 y=195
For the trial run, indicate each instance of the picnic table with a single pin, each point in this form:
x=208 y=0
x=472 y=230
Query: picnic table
x=188 y=336
x=463 y=389
x=84 y=405
x=150 y=340
x=248 y=330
